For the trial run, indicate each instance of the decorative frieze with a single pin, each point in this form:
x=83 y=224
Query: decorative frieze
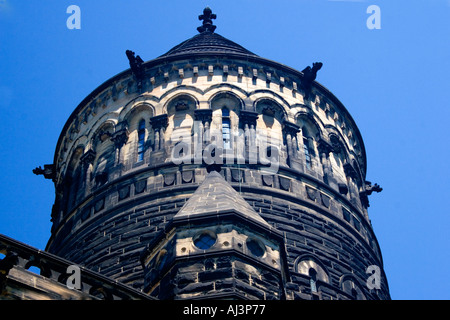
x=140 y=186
x=169 y=179
x=124 y=192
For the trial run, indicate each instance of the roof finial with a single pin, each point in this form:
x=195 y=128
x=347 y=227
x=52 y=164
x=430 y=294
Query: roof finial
x=207 y=17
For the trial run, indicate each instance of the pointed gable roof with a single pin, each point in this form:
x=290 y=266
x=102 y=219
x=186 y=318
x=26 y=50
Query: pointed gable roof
x=214 y=197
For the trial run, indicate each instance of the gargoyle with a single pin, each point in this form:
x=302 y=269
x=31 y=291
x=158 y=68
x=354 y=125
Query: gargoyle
x=136 y=66
x=372 y=188
x=369 y=188
x=309 y=75
x=48 y=171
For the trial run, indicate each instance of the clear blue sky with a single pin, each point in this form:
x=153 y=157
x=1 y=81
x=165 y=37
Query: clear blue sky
x=394 y=81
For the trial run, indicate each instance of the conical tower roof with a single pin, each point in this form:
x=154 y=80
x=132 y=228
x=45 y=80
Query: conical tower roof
x=207 y=41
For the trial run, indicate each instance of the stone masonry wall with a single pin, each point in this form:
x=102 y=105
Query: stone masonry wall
x=111 y=240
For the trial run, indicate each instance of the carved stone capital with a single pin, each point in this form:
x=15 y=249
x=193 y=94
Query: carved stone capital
x=350 y=171
x=120 y=137
x=88 y=157
x=290 y=128
x=324 y=146
x=159 y=122
x=203 y=115
x=248 y=117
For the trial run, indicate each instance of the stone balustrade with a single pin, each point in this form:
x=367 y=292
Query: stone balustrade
x=30 y=273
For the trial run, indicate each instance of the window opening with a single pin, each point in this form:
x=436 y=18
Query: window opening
x=204 y=241
x=313 y=280
x=307 y=148
x=141 y=140
x=226 y=128
x=255 y=248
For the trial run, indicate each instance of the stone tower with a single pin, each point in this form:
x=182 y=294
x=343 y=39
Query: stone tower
x=211 y=172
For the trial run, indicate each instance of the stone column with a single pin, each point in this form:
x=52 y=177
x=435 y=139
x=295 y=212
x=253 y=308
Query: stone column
x=162 y=136
x=248 y=120
x=324 y=149
x=159 y=125
x=87 y=159
x=203 y=117
x=156 y=142
x=351 y=175
x=120 y=138
x=290 y=131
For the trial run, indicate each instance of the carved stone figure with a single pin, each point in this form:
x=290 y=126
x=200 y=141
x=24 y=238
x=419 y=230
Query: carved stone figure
x=310 y=75
x=372 y=188
x=136 y=66
x=47 y=172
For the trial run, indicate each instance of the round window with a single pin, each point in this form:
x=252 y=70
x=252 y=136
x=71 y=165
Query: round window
x=204 y=241
x=255 y=247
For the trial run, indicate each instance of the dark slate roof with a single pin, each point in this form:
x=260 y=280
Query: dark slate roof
x=216 y=196
x=208 y=42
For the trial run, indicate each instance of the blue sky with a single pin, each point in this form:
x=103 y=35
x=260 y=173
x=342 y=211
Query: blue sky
x=394 y=81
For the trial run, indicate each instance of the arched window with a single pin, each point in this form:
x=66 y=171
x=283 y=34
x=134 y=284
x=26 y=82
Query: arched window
x=315 y=271
x=103 y=163
x=270 y=119
x=337 y=158
x=350 y=286
x=226 y=128
x=141 y=140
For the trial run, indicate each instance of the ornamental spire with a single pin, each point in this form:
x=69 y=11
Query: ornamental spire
x=207 y=17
